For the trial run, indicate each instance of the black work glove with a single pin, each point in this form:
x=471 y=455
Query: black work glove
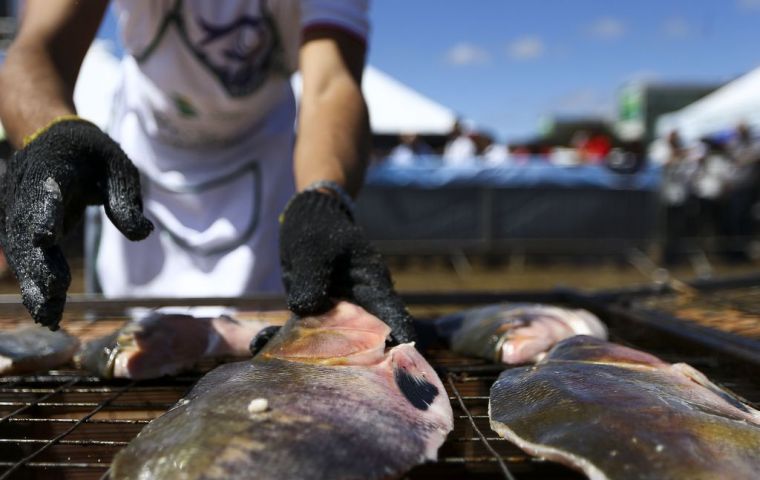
x=325 y=256
x=45 y=189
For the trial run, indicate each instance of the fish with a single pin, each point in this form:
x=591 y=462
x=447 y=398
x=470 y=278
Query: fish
x=614 y=412
x=160 y=344
x=35 y=349
x=324 y=398
x=515 y=333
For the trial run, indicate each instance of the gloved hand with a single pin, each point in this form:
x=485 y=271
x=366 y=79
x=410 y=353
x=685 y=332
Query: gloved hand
x=45 y=189
x=325 y=256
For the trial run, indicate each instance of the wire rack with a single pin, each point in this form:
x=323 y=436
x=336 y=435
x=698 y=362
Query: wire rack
x=735 y=311
x=67 y=424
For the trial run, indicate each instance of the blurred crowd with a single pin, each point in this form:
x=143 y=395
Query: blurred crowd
x=710 y=188
x=465 y=146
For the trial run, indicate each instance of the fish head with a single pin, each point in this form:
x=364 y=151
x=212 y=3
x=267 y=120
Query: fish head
x=141 y=345
x=346 y=335
x=422 y=392
x=530 y=338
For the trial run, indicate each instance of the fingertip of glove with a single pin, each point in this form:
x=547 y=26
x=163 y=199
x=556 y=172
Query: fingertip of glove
x=54 y=327
x=49 y=314
x=47 y=309
x=138 y=229
x=403 y=333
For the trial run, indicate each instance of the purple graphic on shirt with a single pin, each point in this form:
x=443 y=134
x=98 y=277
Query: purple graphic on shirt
x=240 y=53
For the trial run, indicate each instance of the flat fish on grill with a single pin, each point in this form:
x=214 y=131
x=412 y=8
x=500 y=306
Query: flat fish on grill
x=618 y=413
x=34 y=349
x=161 y=344
x=515 y=333
x=323 y=399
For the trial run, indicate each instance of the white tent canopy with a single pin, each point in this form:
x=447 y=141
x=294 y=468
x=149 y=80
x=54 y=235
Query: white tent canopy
x=395 y=108
x=720 y=111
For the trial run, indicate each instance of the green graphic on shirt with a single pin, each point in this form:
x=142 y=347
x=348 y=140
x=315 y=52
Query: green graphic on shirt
x=183 y=105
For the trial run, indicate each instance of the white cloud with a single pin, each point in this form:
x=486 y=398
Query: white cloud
x=607 y=28
x=526 y=48
x=677 y=27
x=748 y=4
x=463 y=54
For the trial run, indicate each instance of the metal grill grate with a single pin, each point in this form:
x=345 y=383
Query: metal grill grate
x=66 y=424
x=735 y=311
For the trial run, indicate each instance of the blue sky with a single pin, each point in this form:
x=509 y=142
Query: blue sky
x=505 y=63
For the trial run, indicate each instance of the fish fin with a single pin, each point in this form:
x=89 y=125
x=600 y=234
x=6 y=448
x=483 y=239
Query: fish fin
x=411 y=380
x=700 y=379
x=417 y=390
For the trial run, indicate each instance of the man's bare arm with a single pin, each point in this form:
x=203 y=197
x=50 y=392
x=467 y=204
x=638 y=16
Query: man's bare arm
x=333 y=124
x=69 y=164
x=42 y=64
x=324 y=253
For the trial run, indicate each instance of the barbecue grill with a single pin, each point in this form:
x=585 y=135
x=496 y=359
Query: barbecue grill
x=67 y=424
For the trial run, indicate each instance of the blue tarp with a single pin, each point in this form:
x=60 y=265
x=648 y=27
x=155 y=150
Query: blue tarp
x=428 y=172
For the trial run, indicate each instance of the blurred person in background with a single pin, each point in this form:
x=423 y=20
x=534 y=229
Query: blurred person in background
x=489 y=152
x=591 y=148
x=520 y=154
x=496 y=154
x=628 y=158
x=742 y=191
x=206 y=113
x=679 y=166
x=410 y=147
x=460 y=148
x=710 y=181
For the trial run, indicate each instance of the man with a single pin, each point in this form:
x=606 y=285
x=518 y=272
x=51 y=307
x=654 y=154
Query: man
x=205 y=112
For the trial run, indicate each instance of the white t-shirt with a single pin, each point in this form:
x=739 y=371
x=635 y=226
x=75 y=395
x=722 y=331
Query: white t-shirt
x=207 y=72
x=206 y=113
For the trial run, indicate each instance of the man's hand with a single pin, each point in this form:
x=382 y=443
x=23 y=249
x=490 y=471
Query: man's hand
x=45 y=189
x=325 y=256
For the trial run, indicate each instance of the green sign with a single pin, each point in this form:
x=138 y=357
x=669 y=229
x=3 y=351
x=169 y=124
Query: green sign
x=630 y=105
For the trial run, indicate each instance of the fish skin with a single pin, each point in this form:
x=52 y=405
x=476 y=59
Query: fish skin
x=340 y=417
x=617 y=413
x=161 y=344
x=34 y=349
x=515 y=333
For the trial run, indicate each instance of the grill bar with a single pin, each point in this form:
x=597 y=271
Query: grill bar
x=144 y=406
x=114 y=421
x=58 y=437
x=31 y=404
x=56 y=465
x=64 y=442
x=496 y=456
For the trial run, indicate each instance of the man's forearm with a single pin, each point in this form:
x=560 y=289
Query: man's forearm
x=333 y=124
x=333 y=137
x=38 y=76
x=33 y=93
